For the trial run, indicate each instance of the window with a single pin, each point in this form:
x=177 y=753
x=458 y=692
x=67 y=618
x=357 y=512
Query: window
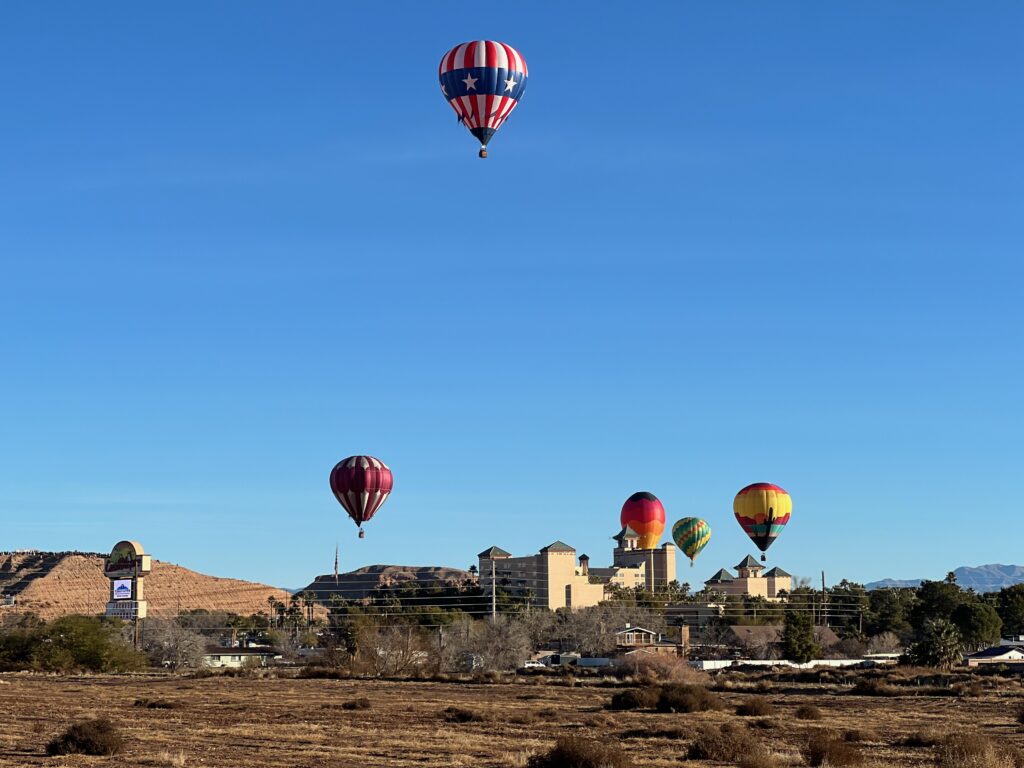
x=236 y=658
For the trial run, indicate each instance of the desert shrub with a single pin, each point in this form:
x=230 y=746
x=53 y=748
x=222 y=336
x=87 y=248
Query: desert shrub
x=71 y=644
x=687 y=698
x=526 y=717
x=974 y=750
x=460 y=715
x=831 y=751
x=760 y=760
x=655 y=733
x=755 y=706
x=764 y=722
x=874 y=687
x=726 y=744
x=807 y=712
x=859 y=735
x=319 y=672
x=575 y=752
x=88 y=737
x=155 y=704
x=920 y=739
x=634 y=698
x=361 y=703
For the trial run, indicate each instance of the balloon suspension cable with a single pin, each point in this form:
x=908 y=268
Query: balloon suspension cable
x=483 y=151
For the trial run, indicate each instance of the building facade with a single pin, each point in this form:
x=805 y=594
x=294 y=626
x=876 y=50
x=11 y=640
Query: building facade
x=551 y=578
x=751 y=581
x=659 y=565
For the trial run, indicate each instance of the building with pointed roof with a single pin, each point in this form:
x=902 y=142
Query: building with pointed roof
x=750 y=581
x=659 y=565
x=550 y=578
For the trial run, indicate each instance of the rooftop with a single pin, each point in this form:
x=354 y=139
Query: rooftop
x=749 y=562
x=722 y=575
x=494 y=552
x=558 y=546
x=778 y=573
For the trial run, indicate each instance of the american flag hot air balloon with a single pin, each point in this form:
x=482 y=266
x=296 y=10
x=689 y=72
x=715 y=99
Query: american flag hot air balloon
x=483 y=82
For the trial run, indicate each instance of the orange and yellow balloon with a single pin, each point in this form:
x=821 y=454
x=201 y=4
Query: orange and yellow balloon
x=763 y=510
x=644 y=514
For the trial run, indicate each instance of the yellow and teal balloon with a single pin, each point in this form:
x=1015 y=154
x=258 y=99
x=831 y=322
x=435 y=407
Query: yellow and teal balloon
x=691 y=534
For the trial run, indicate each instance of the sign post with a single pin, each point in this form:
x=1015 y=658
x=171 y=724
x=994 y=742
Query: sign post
x=126 y=566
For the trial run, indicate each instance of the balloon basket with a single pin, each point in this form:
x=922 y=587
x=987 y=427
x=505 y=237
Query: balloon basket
x=483 y=151
x=362 y=534
x=764 y=558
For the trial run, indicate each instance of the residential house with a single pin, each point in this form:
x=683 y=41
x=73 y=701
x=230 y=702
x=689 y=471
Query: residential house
x=219 y=656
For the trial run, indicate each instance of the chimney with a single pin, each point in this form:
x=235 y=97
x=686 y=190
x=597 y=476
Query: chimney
x=584 y=564
x=628 y=625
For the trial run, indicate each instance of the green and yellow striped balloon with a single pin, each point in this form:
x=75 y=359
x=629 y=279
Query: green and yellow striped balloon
x=691 y=534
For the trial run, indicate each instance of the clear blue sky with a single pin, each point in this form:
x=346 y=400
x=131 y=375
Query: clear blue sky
x=716 y=244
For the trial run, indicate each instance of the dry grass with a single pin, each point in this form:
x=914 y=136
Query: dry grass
x=807 y=712
x=687 y=698
x=291 y=723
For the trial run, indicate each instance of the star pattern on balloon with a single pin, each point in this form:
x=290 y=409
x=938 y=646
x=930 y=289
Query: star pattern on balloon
x=470 y=82
x=510 y=84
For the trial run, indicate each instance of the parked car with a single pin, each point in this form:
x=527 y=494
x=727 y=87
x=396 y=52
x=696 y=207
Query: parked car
x=531 y=664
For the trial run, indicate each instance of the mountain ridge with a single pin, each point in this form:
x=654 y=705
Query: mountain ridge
x=981 y=578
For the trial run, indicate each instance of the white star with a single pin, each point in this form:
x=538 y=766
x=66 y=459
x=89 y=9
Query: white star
x=444 y=90
x=510 y=83
x=470 y=82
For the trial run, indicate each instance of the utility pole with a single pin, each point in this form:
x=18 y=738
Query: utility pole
x=824 y=602
x=494 y=594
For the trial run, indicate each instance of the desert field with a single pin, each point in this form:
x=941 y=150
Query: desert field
x=300 y=723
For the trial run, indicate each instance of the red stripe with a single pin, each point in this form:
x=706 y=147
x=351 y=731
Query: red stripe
x=470 y=55
x=450 y=63
x=492 y=53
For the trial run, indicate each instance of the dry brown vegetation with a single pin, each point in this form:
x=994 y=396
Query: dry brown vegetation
x=301 y=723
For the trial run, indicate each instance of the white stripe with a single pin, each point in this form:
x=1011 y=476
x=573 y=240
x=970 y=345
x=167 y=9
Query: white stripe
x=502 y=60
x=481 y=54
x=459 y=55
x=517 y=60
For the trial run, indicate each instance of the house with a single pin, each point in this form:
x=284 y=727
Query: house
x=1000 y=654
x=219 y=656
x=751 y=582
x=631 y=640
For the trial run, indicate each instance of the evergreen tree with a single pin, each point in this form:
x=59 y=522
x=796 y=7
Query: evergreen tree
x=1011 y=609
x=798 y=638
x=979 y=625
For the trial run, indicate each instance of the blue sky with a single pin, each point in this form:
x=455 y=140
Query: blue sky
x=714 y=245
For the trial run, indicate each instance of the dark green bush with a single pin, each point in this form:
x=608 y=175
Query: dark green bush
x=89 y=737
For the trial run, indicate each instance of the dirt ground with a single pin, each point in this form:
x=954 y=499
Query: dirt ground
x=231 y=722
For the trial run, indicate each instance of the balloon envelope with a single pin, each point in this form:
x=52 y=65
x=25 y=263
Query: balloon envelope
x=361 y=484
x=483 y=81
x=762 y=509
x=644 y=514
x=691 y=534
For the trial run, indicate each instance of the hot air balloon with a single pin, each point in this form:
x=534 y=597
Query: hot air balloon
x=483 y=81
x=361 y=484
x=691 y=534
x=644 y=514
x=763 y=510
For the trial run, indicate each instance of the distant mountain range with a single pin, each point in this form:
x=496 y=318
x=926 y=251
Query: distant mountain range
x=982 y=578
x=357 y=584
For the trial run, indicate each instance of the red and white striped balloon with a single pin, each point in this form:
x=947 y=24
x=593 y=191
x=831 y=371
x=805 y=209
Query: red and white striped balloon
x=361 y=484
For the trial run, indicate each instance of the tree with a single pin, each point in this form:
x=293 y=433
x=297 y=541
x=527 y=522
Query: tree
x=979 y=625
x=170 y=645
x=888 y=610
x=940 y=646
x=1011 y=609
x=798 y=638
x=935 y=600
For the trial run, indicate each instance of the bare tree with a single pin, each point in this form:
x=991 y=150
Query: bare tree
x=168 y=644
